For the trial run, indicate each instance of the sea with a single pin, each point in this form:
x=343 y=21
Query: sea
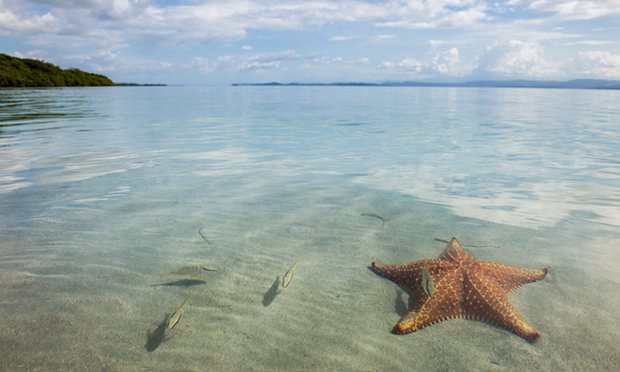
x=120 y=206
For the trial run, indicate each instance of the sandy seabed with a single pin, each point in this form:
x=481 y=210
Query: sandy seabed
x=80 y=292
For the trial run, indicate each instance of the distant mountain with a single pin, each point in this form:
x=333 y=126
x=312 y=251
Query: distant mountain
x=570 y=84
x=140 y=85
x=24 y=72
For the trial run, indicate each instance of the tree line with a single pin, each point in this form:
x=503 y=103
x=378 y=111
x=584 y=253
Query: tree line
x=24 y=72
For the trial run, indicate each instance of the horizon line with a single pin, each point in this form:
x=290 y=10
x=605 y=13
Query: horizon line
x=513 y=83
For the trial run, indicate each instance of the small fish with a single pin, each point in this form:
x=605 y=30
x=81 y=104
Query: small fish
x=176 y=316
x=154 y=339
x=204 y=237
x=383 y=220
x=193 y=270
x=286 y=280
x=427 y=282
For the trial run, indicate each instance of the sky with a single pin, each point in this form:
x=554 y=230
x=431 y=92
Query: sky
x=224 y=42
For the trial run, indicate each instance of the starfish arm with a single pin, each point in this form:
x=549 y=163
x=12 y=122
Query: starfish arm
x=454 y=251
x=508 y=278
x=444 y=304
x=483 y=300
x=408 y=276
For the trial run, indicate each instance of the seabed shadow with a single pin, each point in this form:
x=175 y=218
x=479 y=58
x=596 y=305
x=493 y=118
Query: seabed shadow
x=181 y=283
x=271 y=293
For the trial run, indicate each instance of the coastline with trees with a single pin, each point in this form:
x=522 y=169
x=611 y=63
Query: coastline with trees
x=25 y=72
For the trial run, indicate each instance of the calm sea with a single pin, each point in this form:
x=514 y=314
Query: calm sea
x=106 y=192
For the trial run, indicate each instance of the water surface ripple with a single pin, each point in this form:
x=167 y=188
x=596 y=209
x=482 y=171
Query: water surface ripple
x=104 y=192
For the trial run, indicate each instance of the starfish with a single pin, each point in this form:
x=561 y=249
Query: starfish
x=463 y=288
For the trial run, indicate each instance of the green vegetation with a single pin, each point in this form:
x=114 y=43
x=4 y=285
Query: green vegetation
x=23 y=72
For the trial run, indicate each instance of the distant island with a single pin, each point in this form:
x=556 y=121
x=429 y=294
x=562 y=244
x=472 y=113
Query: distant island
x=24 y=72
x=570 y=84
x=139 y=85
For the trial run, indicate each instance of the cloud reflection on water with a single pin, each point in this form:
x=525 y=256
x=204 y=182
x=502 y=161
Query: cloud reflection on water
x=525 y=204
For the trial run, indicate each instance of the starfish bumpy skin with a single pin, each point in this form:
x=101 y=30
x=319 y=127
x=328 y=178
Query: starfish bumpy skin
x=463 y=288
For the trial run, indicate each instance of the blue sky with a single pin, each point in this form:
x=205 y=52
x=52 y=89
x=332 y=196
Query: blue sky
x=221 y=42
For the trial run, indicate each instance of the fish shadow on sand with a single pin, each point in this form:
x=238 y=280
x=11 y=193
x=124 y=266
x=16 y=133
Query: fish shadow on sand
x=271 y=293
x=155 y=338
x=400 y=306
x=181 y=283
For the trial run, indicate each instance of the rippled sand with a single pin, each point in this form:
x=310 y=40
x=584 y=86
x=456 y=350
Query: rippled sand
x=77 y=293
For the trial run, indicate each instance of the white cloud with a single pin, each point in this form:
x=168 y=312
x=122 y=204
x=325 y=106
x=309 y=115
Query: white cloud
x=599 y=29
x=438 y=14
x=232 y=19
x=70 y=29
x=435 y=43
x=246 y=63
x=113 y=62
x=341 y=38
x=205 y=65
x=515 y=59
x=380 y=39
x=520 y=59
x=322 y=60
x=32 y=54
x=280 y=60
x=574 y=9
x=589 y=42
x=197 y=21
x=265 y=61
x=203 y=21
x=596 y=64
x=406 y=66
x=443 y=63
x=86 y=22
x=447 y=63
x=15 y=22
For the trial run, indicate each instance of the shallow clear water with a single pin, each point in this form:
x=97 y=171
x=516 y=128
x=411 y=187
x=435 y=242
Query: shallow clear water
x=103 y=192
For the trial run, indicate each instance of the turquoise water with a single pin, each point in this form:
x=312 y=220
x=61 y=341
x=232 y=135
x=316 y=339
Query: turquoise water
x=103 y=192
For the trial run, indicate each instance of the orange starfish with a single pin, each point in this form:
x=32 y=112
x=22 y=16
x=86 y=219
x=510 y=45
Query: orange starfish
x=463 y=288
